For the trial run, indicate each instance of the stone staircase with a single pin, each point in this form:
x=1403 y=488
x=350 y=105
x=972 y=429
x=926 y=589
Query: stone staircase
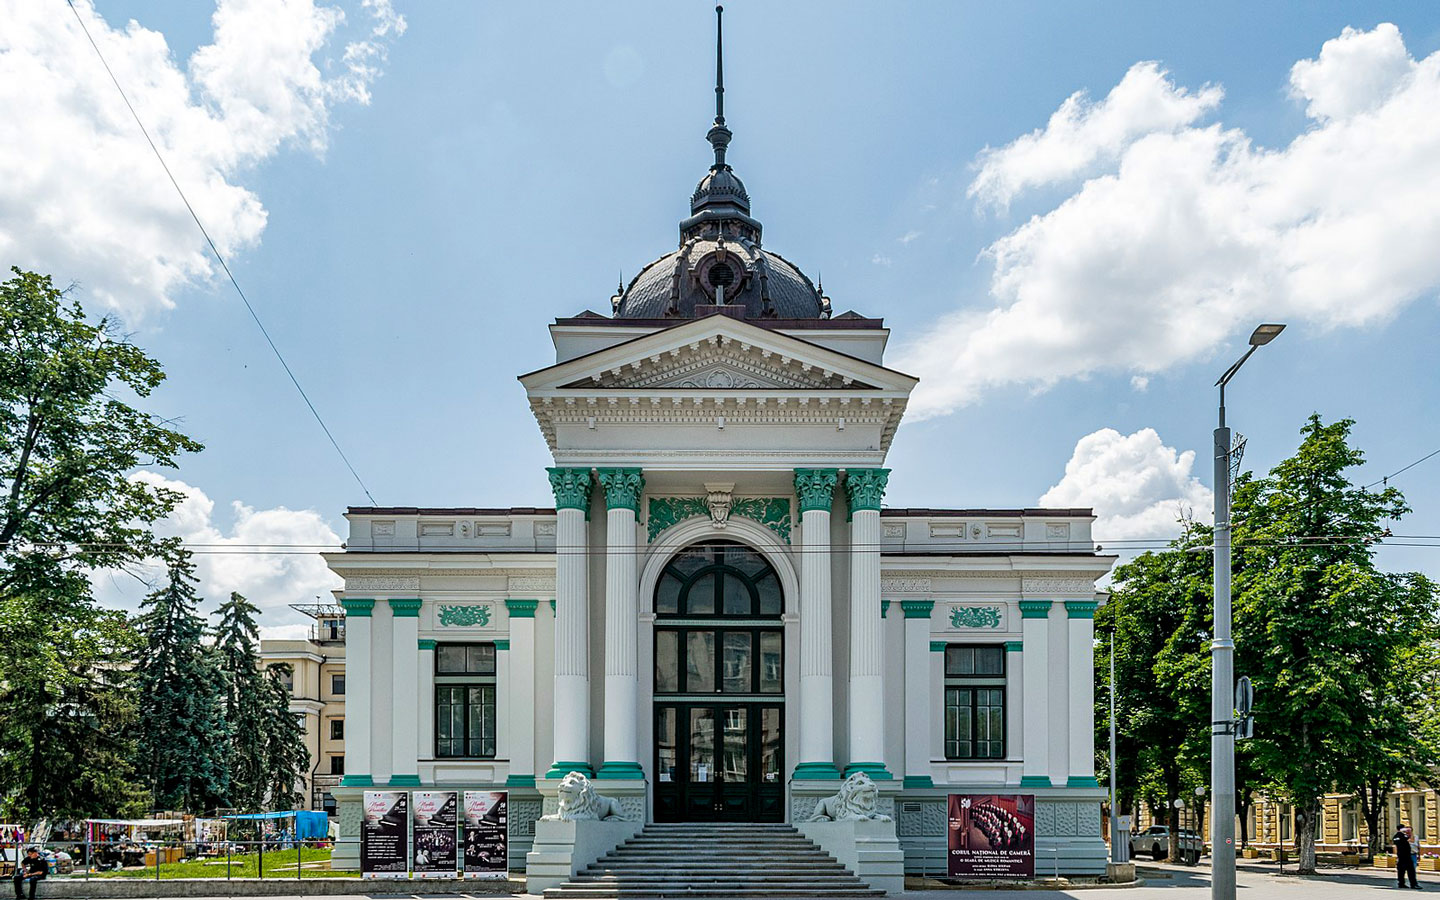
x=715 y=860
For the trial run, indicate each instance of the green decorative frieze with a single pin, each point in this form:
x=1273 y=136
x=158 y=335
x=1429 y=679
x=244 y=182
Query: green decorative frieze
x=864 y=488
x=772 y=512
x=816 y=488
x=974 y=617
x=571 y=487
x=465 y=616
x=522 y=609
x=357 y=607
x=622 y=488
x=1035 y=609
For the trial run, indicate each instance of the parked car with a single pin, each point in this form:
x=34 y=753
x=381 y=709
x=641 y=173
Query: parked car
x=1155 y=841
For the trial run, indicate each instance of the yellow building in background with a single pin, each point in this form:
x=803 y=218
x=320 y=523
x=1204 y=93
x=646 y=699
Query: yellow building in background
x=317 y=697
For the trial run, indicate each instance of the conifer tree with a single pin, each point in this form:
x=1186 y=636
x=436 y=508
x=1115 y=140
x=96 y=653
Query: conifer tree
x=236 y=649
x=181 y=747
x=286 y=758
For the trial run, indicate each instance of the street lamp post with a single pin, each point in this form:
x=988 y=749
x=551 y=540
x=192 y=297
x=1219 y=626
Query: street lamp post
x=1222 y=655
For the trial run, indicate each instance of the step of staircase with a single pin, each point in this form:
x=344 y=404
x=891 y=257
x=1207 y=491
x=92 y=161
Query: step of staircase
x=721 y=860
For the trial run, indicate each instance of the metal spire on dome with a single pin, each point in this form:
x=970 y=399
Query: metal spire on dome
x=719 y=136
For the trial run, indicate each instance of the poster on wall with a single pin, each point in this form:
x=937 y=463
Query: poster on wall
x=487 y=834
x=433 y=839
x=383 y=835
x=991 y=836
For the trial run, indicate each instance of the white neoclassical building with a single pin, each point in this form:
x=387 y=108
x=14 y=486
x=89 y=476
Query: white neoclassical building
x=719 y=616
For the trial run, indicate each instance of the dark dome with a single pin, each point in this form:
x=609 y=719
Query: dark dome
x=765 y=283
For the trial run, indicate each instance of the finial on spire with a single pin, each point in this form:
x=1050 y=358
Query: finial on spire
x=719 y=135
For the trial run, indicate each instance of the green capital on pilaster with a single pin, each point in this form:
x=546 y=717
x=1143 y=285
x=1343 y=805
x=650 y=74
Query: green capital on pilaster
x=426 y=644
x=864 y=488
x=816 y=488
x=1035 y=609
x=522 y=609
x=571 y=487
x=622 y=488
x=405 y=609
x=917 y=609
x=356 y=607
x=1080 y=609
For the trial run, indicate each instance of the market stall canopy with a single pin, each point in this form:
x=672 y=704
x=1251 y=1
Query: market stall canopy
x=137 y=823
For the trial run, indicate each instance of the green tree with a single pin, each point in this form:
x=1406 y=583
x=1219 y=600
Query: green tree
x=69 y=441
x=1319 y=630
x=181 y=752
x=244 y=703
x=286 y=758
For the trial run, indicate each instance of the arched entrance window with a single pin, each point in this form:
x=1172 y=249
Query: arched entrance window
x=719 y=685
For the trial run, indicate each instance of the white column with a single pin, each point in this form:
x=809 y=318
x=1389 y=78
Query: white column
x=425 y=705
x=1081 y=630
x=1035 y=662
x=519 y=723
x=623 y=488
x=572 y=624
x=864 y=489
x=404 y=691
x=816 y=488
x=1014 y=699
x=357 y=692
x=918 y=690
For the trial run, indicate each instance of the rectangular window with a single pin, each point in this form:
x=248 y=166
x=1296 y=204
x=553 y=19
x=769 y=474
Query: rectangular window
x=337 y=765
x=337 y=729
x=975 y=701
x=337 y=685
x=465 y=701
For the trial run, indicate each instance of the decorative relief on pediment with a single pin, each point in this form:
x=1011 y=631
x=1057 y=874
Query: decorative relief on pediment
x=772 y=512
x=718 y=363
x=977 y=616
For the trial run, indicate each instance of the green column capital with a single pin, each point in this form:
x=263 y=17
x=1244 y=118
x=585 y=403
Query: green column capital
x=521 y=609
x=623 y=488
x=1035 y=609
x=405 y=609
x=917 y=609
x=426 y=644
x=502 y=644
x=937 y=646
x=571 y=487
x=816 y=488
x=864 y=488
x=356 y=607
x=1081 y=609
x=1014 y=646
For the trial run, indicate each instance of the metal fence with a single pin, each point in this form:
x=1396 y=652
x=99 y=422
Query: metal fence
x=226 y=858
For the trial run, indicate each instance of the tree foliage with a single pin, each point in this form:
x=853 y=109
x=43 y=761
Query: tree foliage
x=244 y=702
x=285 y=758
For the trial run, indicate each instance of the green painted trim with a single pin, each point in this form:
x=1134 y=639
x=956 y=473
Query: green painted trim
x=623 y=488
x=404 y=780
x=405 y=609
x=520 y=781
x=918 y=781
x=521 y=609
x=358 y=608
x=884 y=607
x=552 y=606
x=501 y=644
x=938 y=646
x=561 y=768
x=357 y=781
x=816 y=771
x=571 y=488
x=627 y=771
x=1014 y=646
x=917 y=609
x=1081 y=609
x=463 y=616
x=1035 y=781
x=426 y=644
x=816 y=489
x=865 y=488
x=1035 y=609
x=876 y=770
x=1082 y=781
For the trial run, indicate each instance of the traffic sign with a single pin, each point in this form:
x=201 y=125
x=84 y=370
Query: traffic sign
x=1244 y=696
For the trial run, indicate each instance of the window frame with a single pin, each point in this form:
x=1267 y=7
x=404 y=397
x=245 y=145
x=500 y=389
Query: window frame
x=470 y=679
x=337 y=678
x=337 y=724
x=718 y=567
x=973 y=684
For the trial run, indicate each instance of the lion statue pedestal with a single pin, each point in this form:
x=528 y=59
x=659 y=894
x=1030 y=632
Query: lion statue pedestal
x=584 y=827
x=849 y=827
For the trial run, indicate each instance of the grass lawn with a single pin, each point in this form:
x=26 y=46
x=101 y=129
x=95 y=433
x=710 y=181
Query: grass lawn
x=278 y=864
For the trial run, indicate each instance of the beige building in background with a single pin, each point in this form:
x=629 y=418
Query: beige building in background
x=317 y=697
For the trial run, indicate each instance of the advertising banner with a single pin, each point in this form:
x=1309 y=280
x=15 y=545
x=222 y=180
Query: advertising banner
x=384 y=834
x=992 y=836
x=487 y=834
x=436 y=820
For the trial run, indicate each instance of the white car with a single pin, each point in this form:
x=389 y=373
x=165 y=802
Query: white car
x=1155 y=841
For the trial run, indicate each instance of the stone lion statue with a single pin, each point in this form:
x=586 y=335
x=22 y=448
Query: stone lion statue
x=857 y=800
x=580 y=802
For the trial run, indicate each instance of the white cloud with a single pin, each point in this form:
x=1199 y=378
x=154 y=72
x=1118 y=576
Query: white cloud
x=1139 y=382
x=237 y=560
x=1138 y=487
x=81 y=194
x=881 y=259
x=1193 y=234
x=909 y=236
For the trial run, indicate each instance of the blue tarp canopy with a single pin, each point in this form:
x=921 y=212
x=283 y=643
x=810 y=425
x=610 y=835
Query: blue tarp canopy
x=266 y=815
x=309 y=825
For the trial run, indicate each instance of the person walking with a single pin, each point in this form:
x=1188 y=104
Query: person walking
x=1404 y=858
x=32 y=868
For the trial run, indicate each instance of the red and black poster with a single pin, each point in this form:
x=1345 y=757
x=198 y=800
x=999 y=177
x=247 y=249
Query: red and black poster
x=487 y=834
x=437 y=819
x=992 y=836
x=384 y=835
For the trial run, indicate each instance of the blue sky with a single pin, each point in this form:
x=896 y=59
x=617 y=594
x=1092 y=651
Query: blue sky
x=513 y=159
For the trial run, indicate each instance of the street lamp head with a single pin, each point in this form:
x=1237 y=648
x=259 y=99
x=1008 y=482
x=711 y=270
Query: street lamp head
x=1265 y=334
x=1199 y=792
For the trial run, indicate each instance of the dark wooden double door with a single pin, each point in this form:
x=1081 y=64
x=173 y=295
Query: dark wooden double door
x=719 y=762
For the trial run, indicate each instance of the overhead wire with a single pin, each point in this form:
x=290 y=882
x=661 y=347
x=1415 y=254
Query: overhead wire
x=1386 y=480
x=218 y=256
